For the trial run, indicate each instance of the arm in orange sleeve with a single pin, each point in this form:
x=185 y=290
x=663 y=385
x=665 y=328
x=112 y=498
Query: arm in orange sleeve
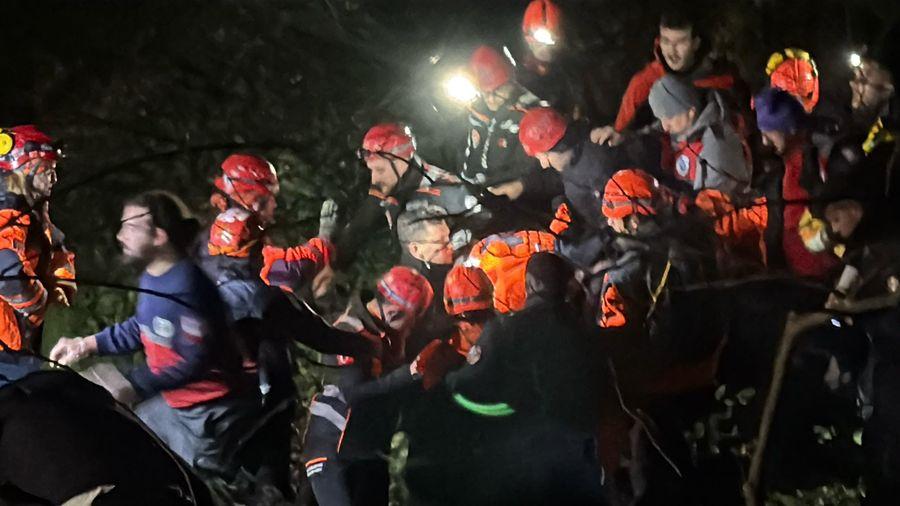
x=21 y=289
x=62 y=268
x=612 y=307
x=561 y=219
x=291 y=268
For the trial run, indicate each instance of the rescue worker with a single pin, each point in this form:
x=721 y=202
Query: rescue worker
x=469 y=299
x=583 y=166
x=872 y=132
x=37 y=269
x=429 y=422
x=548 y=68
x=340 y=450
x=397 y=174
x=189 y=390
x=233 y=256
x=532 y=374
x=784 y=126
x=503 y=257
x=633 y=205
x=681 y=50
x=493 y=155
x=657 y=344
x=494 y=158
x=705 y=150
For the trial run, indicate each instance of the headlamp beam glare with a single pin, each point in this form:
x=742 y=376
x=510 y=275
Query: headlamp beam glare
x=460 y=88
x=544 y=36
x=855 y=60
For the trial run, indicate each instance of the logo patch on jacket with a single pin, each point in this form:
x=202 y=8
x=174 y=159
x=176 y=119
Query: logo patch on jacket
x=193 y=328
x=161 y=332
x=163 y=328
x=474 y=355
x=683 y=165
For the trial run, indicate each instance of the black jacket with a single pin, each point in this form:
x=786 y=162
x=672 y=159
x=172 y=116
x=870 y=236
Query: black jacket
x=538 y=361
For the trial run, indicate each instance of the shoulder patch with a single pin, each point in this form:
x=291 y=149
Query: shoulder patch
x=163 y=328
x=683 y=165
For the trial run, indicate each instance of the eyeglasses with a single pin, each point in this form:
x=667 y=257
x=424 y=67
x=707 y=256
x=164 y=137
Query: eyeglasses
x=496 y=95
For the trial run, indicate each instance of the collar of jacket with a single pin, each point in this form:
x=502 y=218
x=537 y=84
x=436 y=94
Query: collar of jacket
x=713 y=112
x=409 y=182
x=9 y=200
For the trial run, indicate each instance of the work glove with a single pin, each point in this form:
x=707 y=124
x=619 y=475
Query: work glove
x=434 y=362
x=460 y=239
x=68 y=351
x=328 y=217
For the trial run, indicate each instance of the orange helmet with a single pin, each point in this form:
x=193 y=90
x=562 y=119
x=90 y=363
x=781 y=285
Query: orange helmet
x=389 y=138
x=795 y=72
x=490 y=69
x=541 y=15
x=233 y=233
x=540 y=129
x=467 y=289
x=406 y=287
x=630 y=191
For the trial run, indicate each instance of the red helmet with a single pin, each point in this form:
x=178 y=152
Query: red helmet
x=389 y=138
x=406 y=287
x=630 y=191
x=467 y=289
x=490 y=69
x=233 y=233
x=795 y=72
x=21 y=144
x=540 y=129
x=541 y=14
x=247 y=179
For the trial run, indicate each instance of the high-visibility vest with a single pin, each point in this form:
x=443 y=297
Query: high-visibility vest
x=503 y=257
x=49 y=267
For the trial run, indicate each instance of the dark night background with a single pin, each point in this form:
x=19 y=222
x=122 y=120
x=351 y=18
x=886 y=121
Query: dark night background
x=156 y=93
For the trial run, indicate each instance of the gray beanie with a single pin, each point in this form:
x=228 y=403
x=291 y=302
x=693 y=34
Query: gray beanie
x=671 y=96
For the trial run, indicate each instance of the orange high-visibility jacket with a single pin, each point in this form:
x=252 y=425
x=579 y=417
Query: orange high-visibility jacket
x=44 y=275
x=503 y=257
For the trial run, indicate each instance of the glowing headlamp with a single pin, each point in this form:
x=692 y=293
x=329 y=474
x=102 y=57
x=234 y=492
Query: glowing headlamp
x=855 y=59
x=460 y=88
x=544 y=36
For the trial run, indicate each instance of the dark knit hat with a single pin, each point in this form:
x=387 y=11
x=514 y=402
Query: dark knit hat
x=671 y=96
x=778 y=111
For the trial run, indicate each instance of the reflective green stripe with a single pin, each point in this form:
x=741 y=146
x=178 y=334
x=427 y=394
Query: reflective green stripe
x=498 y=409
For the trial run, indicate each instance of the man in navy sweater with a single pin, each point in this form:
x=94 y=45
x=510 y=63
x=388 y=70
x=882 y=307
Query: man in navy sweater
x=188 y=387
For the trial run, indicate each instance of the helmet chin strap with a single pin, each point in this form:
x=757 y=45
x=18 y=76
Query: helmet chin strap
x=396 y=172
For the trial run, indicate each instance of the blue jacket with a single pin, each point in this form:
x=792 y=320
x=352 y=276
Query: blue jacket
x=180 y=325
